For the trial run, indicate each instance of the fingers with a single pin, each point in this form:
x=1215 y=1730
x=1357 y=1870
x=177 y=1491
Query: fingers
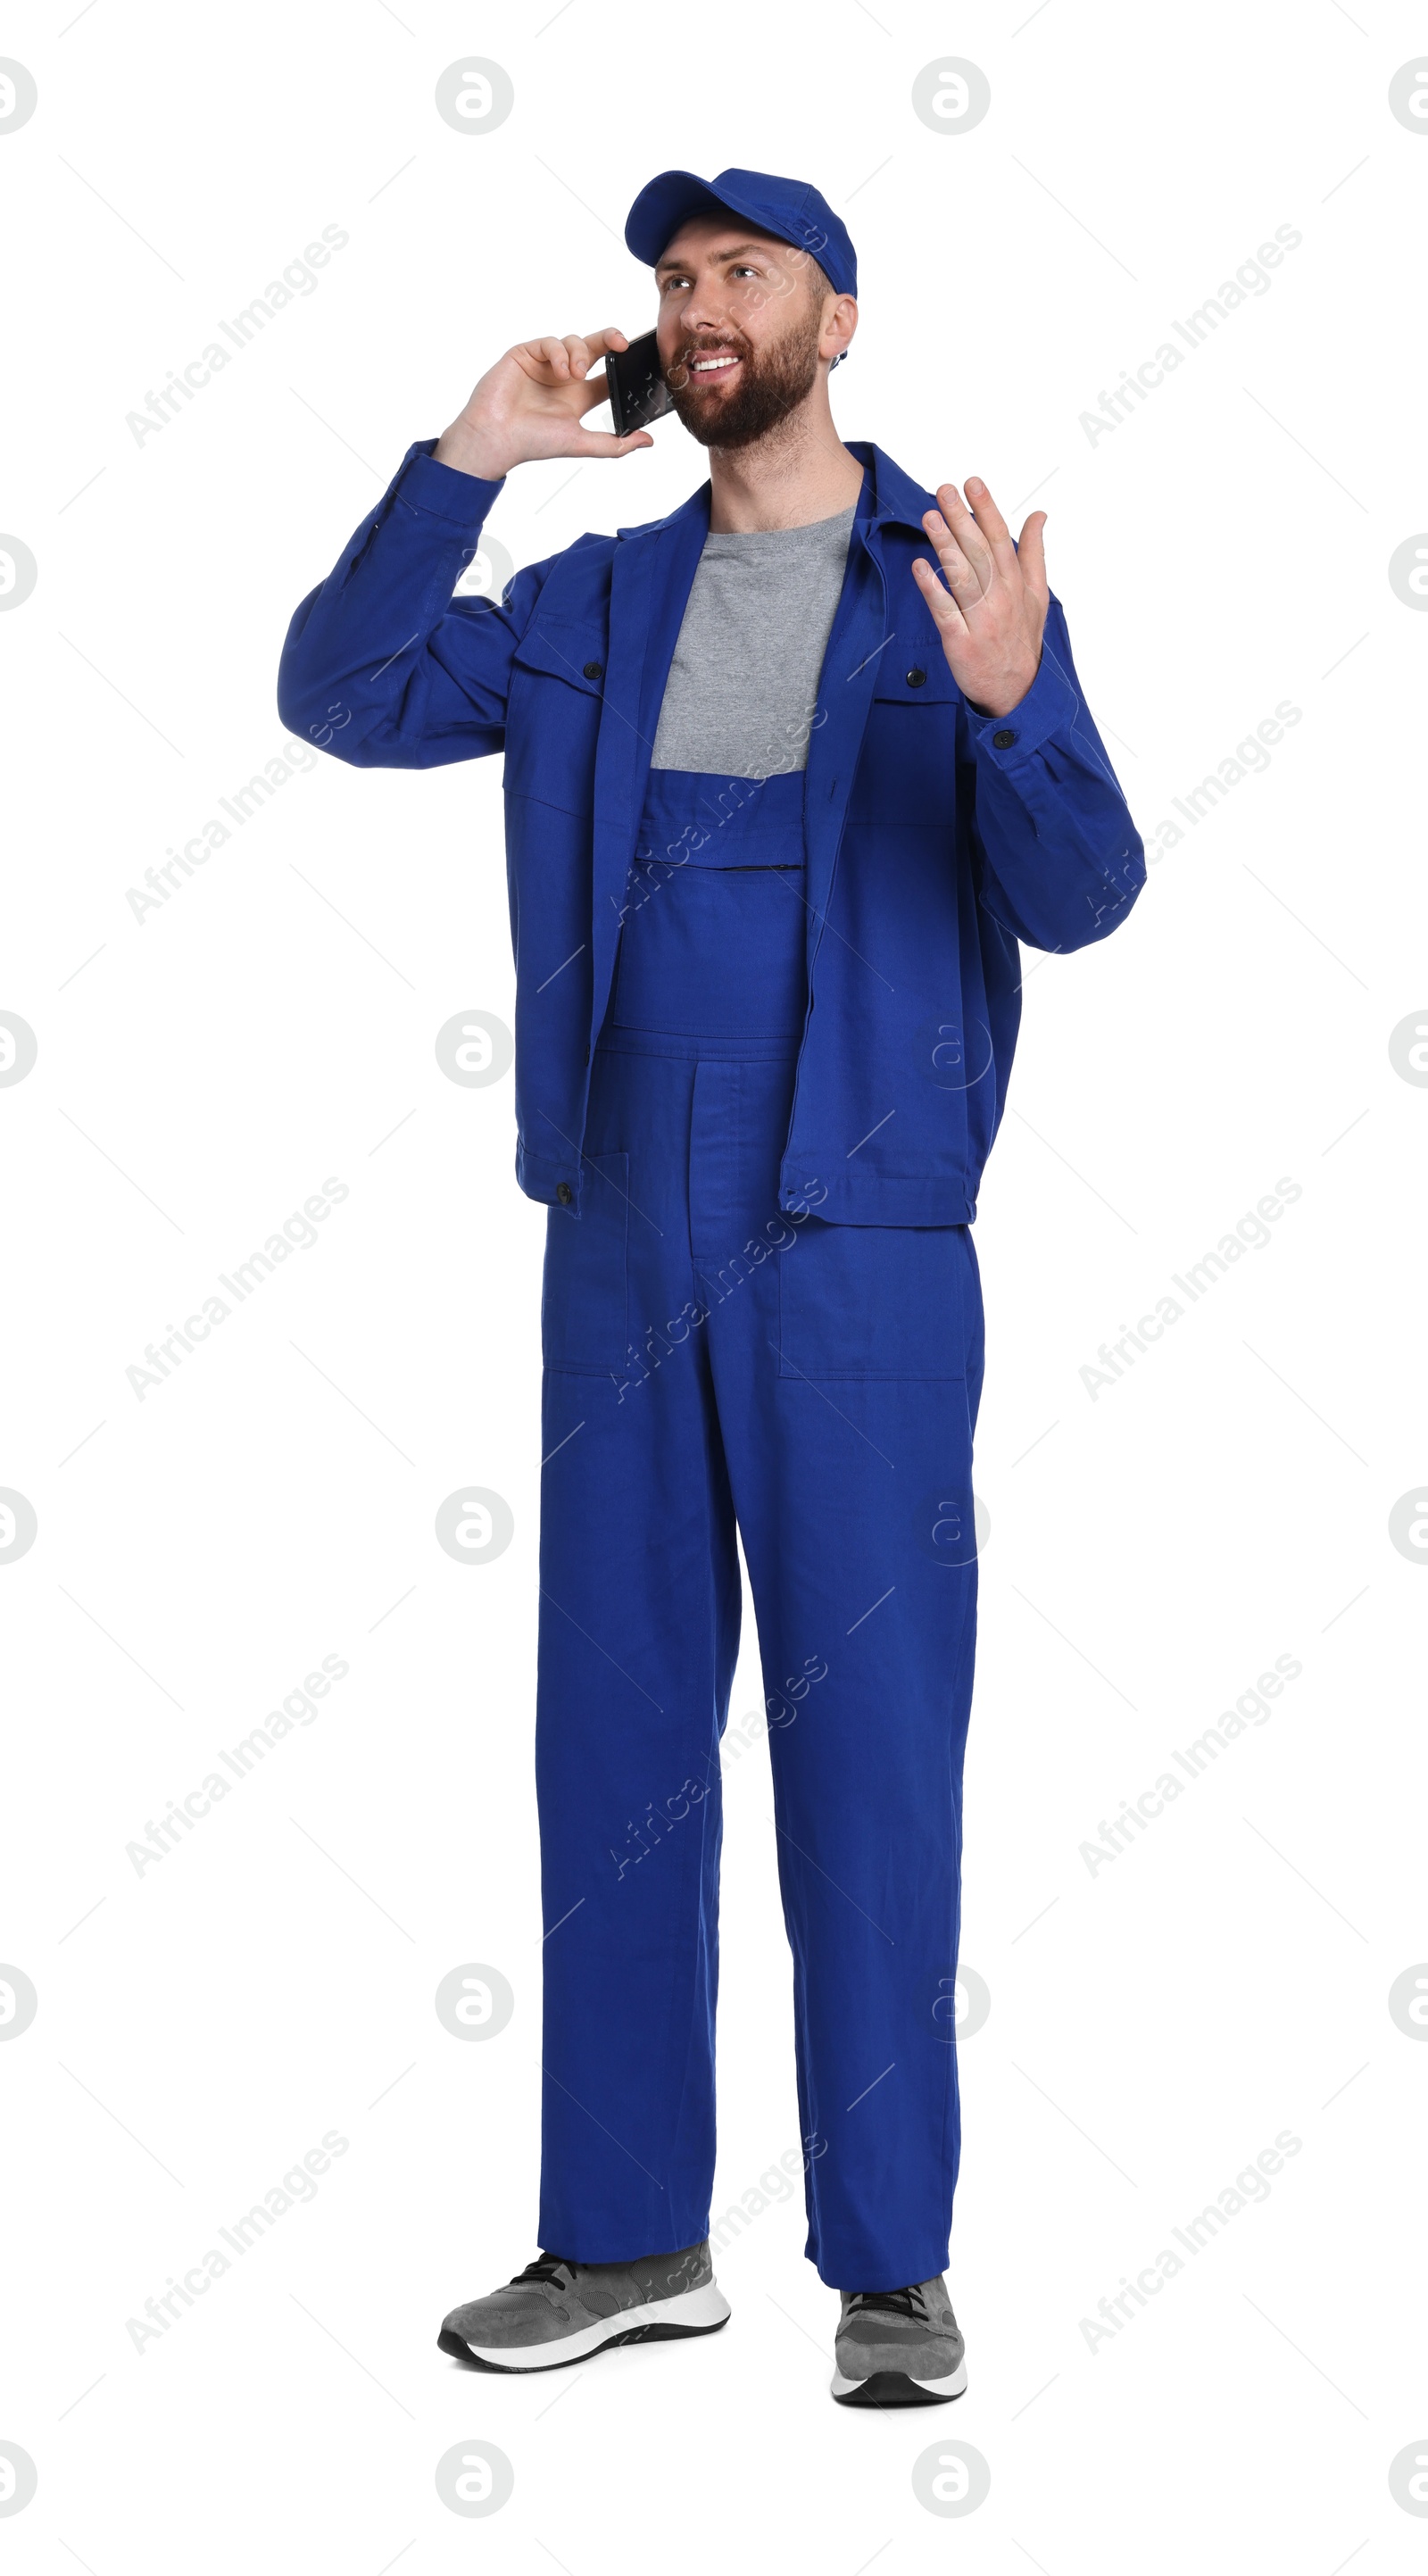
x=549 y=353
x=570 y=356
x=946 y=614
x=963 y=577
x=991 y=523
x=602 y=442
x=968 y=535
x=1032 y=556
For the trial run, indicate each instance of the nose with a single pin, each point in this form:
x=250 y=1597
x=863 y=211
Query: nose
x=707 y=309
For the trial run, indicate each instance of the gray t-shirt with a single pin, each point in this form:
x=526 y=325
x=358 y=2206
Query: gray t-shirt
x=744 y=680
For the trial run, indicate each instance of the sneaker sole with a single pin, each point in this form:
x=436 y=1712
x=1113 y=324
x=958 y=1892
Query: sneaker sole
x=898 y=2388
x=693 y=2312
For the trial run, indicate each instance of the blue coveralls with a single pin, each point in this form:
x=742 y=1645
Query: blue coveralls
x=709 y=1357
x=758 y=1073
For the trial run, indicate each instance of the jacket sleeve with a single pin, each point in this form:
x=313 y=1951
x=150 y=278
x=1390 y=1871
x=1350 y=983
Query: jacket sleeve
x=382 y=667
x=1057 y=858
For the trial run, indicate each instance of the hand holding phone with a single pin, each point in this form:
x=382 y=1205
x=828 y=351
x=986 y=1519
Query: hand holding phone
x=531 y=404
x=637 y=389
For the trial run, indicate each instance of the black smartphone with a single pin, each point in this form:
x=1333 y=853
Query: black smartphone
x=638 y=392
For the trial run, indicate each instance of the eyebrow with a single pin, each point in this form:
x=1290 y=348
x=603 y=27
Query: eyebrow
x=741 y=250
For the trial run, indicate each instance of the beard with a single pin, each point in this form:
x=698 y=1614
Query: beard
x=773 y=381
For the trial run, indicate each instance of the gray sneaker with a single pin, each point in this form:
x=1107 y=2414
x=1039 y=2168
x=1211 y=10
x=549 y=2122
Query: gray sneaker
x=557 y=2312
x=898 y=2348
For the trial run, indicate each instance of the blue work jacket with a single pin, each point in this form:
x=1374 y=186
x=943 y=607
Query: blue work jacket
x=936 y=838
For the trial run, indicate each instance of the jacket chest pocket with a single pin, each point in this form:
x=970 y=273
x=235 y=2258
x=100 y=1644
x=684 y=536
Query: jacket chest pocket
x=907 y=769
x=583 y=1320
x=553 y=715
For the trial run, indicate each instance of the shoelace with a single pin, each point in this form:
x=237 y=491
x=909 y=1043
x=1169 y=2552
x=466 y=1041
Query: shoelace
x=899 y=2303
x=547 y=2267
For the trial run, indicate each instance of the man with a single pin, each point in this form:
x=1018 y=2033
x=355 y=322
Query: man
x=782 y=798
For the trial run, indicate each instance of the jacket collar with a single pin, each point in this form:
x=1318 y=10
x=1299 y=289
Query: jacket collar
x=894 y=497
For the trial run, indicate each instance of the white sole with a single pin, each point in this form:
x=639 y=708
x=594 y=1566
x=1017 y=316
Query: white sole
x=692 y=2312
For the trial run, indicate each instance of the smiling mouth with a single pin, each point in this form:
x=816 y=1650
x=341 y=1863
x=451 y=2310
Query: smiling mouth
x=715 y=363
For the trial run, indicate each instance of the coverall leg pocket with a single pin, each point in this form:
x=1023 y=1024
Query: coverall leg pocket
x=876 y=1301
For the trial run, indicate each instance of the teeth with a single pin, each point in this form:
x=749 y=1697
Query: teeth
x=704 y=366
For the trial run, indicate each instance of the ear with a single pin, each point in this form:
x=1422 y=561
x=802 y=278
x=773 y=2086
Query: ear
x=840 y=321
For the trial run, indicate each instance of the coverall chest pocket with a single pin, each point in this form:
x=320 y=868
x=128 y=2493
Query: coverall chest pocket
x=583 y=1301
x=876 y=1301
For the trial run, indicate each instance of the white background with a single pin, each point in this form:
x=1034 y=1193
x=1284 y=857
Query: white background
x=201 y=1071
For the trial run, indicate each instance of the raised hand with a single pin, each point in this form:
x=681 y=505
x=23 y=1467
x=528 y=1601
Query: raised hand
x=992 y=611
x=531 y=403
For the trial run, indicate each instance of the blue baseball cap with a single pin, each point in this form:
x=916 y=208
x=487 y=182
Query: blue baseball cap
x=787 y=210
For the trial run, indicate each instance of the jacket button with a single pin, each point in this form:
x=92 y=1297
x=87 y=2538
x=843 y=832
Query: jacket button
x=1003 y=741
x=564 y=1193
x=594 y=670
x=917 y=677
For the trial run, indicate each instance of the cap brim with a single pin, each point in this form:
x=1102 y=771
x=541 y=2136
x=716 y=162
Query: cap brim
x=668 y=202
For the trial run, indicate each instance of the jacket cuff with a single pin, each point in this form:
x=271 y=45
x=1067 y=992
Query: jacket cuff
x=552 y=1184
x=464 y=500
x=1048 y=707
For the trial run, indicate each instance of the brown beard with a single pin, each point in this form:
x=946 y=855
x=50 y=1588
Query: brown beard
x=774 y=381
